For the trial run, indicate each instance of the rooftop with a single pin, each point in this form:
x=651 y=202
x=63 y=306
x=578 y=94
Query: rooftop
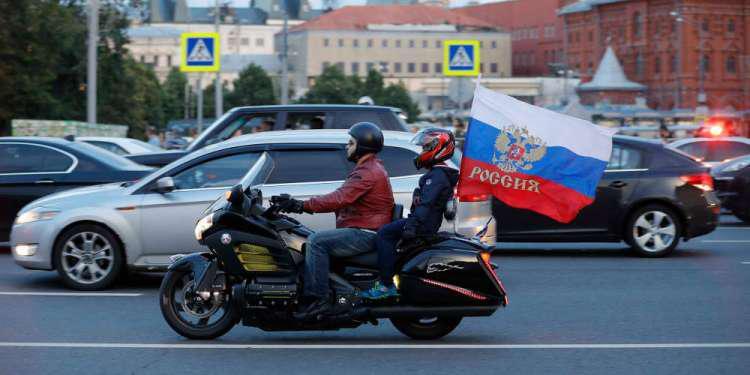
x=584 y=6
x=359 y=17
x=610 y=76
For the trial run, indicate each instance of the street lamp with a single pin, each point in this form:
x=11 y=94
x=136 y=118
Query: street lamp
x=678 y=17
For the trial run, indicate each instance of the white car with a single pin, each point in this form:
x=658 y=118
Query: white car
x=90 y=234
x=121 y=146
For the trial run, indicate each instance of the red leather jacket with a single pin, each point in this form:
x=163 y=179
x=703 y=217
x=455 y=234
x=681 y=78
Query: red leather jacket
x=365 y=200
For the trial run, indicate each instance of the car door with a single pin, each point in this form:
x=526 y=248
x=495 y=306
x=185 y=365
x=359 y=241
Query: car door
x=168 y=219
x=595 y=220
x=305 y=171
x=27 y=172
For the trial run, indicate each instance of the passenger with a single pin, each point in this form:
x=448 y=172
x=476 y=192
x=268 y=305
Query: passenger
x=316 y=123
x=428 y=206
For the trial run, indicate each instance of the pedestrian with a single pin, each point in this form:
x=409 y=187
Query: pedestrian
x=152 y=137
x=664 y=133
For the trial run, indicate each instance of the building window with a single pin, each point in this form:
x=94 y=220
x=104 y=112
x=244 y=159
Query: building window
x=591 y=36
x=326 y=64
x=398 y=43
x=439 y=68
x=639 y=64
x=383 y=67
x=494 y=44
x=411 y=67
x=705 y=64
x=481 y=67
x=355 y=68
x=411 y=44
x=326 y=42
x=369 y=43
x=340 y=66
x=397 y=67
x=673 y=64
x=424 y=44
x=731 y=65
x=425 y=68
x=245 y=41
x=437 y=44
x=341 y=42
x=232 y=41
x=704 y=24
x=260 y=42
x=637 y=24
x=730 y=26
x=493 y=67
x=481 y=44
x=355 y=43
x=549 y=31
x=657 y=65
x=370 y=66
x=169 y=60
x=143 y=58
x=384 y=43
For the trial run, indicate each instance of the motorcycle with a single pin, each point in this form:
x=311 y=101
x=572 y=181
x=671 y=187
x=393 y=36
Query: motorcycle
x=252 y=274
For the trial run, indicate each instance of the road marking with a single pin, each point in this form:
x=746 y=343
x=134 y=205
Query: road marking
x=94 y=345
x=67 y=294
x=745 y=262
x=726 y=241
x=734 y=228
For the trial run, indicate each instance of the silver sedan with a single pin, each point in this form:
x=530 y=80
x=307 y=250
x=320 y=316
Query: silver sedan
x=90 y=235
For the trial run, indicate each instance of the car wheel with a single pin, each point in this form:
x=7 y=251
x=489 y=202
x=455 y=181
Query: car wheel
x=88 y=257
x=653 y=231
x=426 y=328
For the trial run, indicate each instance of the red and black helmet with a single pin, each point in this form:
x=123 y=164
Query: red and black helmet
x=437 y=144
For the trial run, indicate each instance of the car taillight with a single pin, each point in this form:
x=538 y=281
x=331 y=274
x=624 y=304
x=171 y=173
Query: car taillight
x=485 y=257
x=702 y=181
x=474 y=197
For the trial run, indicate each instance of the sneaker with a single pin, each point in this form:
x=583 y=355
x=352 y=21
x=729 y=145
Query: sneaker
x=379 y=291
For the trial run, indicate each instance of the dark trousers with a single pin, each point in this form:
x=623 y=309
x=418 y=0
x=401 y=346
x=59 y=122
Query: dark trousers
x=386 y=241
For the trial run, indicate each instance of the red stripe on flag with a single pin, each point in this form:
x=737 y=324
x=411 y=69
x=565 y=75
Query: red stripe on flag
x=521 y=190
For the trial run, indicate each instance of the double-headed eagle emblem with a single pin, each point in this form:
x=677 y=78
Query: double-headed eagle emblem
x=516 y=149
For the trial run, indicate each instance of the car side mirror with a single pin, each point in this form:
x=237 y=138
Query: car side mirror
x=164 y=185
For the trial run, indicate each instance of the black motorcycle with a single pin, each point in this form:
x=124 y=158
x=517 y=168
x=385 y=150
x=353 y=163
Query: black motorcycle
x=253 y=273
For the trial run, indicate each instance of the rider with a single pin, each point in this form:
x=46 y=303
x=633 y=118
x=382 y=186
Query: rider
x=363 y=204
x=428 y=206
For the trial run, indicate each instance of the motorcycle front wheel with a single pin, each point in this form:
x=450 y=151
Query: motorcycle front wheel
x=191 y=316
x=426 y=328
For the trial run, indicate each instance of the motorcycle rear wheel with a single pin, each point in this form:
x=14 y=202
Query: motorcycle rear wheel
x=426 y=328
x=192 y=318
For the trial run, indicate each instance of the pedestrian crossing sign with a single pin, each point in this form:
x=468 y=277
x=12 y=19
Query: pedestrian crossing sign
x=461 y=58
x=199 y=52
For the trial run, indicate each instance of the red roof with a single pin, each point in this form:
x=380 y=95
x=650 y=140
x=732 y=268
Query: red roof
x=358 y=17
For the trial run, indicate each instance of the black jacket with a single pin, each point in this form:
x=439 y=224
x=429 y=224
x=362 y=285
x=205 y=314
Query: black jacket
x=429 y=200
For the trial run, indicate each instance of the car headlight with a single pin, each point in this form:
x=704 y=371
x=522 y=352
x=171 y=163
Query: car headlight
x=203 y=225
x=36 y=214
x=736 y=166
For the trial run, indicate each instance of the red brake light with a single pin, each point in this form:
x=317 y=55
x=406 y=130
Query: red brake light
x=702 y=181
x=474 y=197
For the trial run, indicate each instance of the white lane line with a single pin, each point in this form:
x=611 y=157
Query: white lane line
x=726 y=241
x=92 y=345
x=745 y=262
x=733 y=228
x=68 y=294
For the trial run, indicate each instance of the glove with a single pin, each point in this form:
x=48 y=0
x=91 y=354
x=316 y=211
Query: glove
x=409 y=233
x=291 y=205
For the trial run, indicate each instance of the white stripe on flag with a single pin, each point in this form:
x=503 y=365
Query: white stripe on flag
x=577 y=135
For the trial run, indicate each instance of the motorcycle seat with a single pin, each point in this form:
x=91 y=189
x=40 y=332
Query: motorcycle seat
x=368 y=259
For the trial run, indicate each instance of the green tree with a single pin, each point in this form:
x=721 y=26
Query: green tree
x=396 y=95
x=333 y=87
x=209 y=96
x=252 y=87
x=173 y=95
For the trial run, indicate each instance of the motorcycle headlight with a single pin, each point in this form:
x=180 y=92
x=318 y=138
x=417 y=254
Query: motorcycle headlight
x=36 y=214
x=203 y=225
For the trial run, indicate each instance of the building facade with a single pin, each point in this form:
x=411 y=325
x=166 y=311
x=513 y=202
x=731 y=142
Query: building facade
x=404 y=43
x=536 y=33
x=688 y=53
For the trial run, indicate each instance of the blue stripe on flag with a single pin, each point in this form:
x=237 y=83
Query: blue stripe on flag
x=559 y=165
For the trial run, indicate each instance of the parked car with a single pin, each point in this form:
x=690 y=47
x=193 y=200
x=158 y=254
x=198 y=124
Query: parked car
x=732 y=181
x=246 y=120
x=31 y=168
x=141 y=225
x=120 y=145
x=649 y=196
x=712 y=151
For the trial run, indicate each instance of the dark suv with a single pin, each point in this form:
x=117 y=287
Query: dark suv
x=246 y=120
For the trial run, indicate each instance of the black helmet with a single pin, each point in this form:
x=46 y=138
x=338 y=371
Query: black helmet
x=369 y=139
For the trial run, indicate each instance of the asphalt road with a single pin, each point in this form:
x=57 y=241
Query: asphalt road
x=574 y=308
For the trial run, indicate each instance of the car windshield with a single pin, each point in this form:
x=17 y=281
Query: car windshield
x=103 y=156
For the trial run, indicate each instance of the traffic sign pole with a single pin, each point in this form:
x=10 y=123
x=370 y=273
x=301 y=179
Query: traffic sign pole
x=200 y=103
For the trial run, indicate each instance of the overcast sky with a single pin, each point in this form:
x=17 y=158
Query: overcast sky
x=317 y=3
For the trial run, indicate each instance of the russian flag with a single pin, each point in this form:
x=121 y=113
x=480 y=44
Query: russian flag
x=532 y=158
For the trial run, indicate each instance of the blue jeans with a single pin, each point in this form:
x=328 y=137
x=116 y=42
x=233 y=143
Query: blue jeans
x=344 y=242
x=386 y=241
